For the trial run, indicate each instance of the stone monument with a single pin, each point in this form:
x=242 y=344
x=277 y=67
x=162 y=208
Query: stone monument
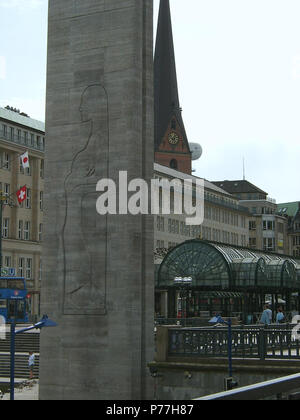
x=97 y=281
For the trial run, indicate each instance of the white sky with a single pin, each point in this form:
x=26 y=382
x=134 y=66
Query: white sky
x=238 y=68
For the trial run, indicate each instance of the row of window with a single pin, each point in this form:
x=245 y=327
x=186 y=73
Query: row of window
x=24 y=269
x=269 y=244
x=176 y=227
x=6 y=160
x=224 y=216
x=213 y=213
x=210 y=213
x=296 y=253
x=226 y=237
x=220 y=199
x=23 y=137
x=267 y=225
x=27 y=202
x=24 y=229
x=209 y=234
x=262 y=210
x=296 y=240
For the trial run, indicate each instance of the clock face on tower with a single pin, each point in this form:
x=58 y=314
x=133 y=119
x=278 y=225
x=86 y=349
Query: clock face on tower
x=173 y=138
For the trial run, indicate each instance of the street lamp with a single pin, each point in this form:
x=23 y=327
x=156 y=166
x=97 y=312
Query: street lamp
x=219 y=320
x=44 y=322
x=183 y=283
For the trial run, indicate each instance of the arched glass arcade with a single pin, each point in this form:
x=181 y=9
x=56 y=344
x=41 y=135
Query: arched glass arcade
x=227 y=279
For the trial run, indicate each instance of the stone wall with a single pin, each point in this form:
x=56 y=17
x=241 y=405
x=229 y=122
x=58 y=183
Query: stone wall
x=97 y=270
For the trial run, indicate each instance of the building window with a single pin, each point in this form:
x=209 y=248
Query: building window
x=160 y=244
x=269 y=244
x=173 y=164
x=28 y=273
x=160 y=224
x=7 y=261
x=28 y=171
x=4 y=129
x=252 y=225
x=6 y=192
x=173 y=124
x=6 y=161
x=27 y=231
x=5 y=228
x=20 y=230
x=40 y=231
x=28 y=199
x=268 y=225
x=42 y=169
x=11 y=133
x=40 y=269
x=21 y=169
x=21 y=267
x=41 y=200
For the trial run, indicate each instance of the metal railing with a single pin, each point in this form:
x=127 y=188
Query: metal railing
x=227 y=204
x=275 y=387
x=274 y=342
x=184 y=322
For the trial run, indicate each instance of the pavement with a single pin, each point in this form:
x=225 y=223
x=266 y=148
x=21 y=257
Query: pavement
x=24 y=390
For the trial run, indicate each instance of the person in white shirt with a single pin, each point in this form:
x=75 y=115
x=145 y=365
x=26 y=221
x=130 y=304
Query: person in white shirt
x=31 y=361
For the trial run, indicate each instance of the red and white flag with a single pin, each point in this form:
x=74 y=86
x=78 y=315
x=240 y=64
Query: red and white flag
x=25 y=160
x=22 y=194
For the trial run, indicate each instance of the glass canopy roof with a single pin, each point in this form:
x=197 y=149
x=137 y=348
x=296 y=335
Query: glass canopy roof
x=215 y=266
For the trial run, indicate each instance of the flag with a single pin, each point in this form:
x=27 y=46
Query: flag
x=25 y=160
x=22 y=194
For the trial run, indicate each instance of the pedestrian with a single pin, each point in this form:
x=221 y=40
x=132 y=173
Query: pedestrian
x=31 y=362
x=266 y=317
x=279 y=316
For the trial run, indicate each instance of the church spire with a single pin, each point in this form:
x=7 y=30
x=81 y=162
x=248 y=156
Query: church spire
x=168 y=119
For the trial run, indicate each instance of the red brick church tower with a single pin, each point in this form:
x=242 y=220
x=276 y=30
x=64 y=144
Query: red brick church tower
x=171 y=143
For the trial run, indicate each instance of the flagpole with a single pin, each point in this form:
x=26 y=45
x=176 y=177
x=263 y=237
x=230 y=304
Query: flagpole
x=18 y=157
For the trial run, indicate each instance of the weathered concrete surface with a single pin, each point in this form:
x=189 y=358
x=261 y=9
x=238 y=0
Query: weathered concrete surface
x=186 y=380
x=97 y=270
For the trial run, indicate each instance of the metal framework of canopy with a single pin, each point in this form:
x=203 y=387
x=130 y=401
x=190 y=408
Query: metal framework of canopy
x=215 y=266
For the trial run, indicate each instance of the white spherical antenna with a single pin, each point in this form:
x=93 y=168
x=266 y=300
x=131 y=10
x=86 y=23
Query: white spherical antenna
x=196 y=150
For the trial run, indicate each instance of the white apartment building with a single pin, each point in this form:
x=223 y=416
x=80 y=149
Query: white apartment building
x=225 y=220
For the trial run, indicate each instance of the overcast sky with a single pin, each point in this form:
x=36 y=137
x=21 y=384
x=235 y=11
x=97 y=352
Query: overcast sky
x=238 y=68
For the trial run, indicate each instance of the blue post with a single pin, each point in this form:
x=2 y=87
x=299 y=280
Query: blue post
x=44 y=322
x=12 y=359
x=230 y=348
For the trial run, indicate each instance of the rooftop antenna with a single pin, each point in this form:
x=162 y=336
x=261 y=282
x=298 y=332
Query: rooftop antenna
x=244 y=175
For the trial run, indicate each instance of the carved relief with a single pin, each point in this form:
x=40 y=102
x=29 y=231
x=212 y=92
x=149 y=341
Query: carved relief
x=84 y=232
